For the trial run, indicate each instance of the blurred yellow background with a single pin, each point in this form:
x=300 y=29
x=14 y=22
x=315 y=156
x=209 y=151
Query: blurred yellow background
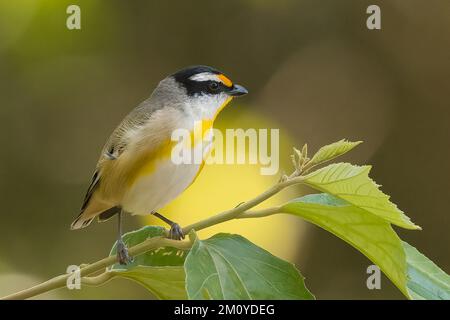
x=313 y=70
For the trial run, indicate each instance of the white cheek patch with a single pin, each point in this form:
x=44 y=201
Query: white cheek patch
x=205 y=76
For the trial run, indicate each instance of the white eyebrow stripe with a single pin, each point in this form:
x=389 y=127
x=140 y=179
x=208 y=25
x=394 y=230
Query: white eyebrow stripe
x=205 y=76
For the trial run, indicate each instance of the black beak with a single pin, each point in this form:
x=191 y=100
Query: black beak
x=237 y=91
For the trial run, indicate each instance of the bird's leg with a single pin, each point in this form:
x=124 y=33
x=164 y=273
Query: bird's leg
x=122 y=250
x=175 y=231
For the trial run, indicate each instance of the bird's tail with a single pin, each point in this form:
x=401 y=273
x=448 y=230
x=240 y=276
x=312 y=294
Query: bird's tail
x=93 y=210
x=80 y=222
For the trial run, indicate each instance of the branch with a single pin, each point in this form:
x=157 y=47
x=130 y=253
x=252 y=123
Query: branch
x=260 y=213
x=158 y=242
x=240 y=209
x=61 y=280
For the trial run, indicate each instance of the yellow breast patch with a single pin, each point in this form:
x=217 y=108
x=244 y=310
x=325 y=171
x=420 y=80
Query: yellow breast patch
x=146 y=163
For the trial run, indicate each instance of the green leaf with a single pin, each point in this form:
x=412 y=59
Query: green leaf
x=231 y=267
x=164 y=282
x=371 y=235
x=160 y=271
x=425 y=279
x=332 y=151
x=353 y=184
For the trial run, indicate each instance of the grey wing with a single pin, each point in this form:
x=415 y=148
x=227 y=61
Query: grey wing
x=112 y=150
x=117 y=142
x=92 y=187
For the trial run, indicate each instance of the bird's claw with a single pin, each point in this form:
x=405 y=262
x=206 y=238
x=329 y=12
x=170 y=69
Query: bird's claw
x=175 y=232
x=122 y=253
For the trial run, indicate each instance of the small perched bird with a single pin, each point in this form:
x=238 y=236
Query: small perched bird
x=135 y=172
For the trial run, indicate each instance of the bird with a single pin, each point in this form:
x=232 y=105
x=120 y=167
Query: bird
x=135 y=173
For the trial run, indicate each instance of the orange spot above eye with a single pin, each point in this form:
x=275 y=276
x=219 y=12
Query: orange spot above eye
x=225 y=80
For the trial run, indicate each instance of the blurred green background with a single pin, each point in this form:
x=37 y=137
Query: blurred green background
x=313 y=70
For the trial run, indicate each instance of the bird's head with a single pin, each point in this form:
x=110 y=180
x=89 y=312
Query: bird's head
x=201 y=89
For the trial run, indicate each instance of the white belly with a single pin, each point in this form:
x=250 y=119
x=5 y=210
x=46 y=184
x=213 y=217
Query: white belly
x=152 y=192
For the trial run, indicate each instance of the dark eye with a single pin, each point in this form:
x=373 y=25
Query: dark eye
x=213 y=86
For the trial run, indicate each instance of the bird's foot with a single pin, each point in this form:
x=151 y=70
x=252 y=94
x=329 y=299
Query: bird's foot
x=175 y=232
x=122 y=253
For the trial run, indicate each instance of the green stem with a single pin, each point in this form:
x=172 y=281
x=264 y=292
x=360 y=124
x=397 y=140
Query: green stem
x=260 y=213
x=237 y=211
x=97 y=280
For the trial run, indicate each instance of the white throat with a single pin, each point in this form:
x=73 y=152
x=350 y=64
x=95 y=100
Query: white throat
x=205 y=107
